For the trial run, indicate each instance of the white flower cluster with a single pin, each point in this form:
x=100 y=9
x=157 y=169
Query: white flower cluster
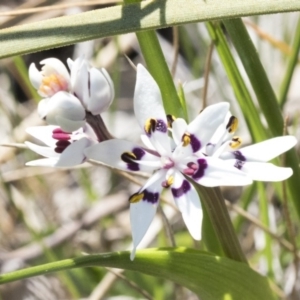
x=176 y=153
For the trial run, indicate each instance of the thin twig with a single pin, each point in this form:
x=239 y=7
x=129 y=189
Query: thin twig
x=206 y=74
x=130 y=62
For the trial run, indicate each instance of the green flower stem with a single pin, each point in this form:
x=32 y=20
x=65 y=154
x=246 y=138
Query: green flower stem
x=242 y=94
x=293 y=60
x=158 y=68
x=215 y=206
x=265 y=96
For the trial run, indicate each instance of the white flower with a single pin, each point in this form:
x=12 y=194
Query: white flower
x=64 y=110
x=62 y=149
x=168 y=159
x=252 y=160
x=93 y=87
x=52 y=78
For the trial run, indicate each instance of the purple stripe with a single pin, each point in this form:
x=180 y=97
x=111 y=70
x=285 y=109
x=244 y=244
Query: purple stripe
x=183 y=189
x=238 y=155
x=161 y=126
x=61 y=146
x=202 y=165
x=150 y=197
x=139 y=153
x=195 y=143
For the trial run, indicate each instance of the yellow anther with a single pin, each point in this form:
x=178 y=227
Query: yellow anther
x=232 y=124
x=186 y=139
x=170 y=181
x=170 y=120
x=150 y=125
x=53 y=83
x=235 y=142
x=128 y=157
x=137 y=197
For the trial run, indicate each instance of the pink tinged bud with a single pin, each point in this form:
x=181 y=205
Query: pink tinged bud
x=64 y=110
x=60 y=135
x=189 y=171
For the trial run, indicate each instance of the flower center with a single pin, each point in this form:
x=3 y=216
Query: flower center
x=52 y=84
x=167 y=163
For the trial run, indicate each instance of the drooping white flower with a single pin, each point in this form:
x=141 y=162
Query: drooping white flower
x=52 y=78
x=92 y=86
x=64 y=110
x=169 y=159
x=62 y=149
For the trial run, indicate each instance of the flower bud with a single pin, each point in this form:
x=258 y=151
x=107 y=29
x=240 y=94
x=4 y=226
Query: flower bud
x=64 y=110
x=93 y=87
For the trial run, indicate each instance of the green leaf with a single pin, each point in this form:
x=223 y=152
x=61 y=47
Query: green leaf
x=121 y=19
x=210 y=277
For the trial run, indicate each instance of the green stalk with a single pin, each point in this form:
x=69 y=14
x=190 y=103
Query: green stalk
x=293 y=60
x=215 y=206
x=265 y=96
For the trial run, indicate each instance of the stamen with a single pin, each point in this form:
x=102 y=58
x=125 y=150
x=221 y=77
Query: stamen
x=128 y=157
x=235 y=142
x=150 y=126
x=137 y=197
x=186 y=139
x=52 y=84
x=232 y=124
x=170 y=120
x=167 y=183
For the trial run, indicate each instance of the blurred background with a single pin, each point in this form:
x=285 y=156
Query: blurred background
x=49 y=214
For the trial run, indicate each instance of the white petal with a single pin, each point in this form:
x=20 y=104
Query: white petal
x=43 y=133
x=101 y=93
x=188 y=202
x=45 y=151
x=219 y=173
x=179 y=127
x=35 y=76
x=42 y=108
x=143 y=212
x=109 y=153
x=207 y=122
x=64 y=106
x=148 y=105
x=44 y=162
x=69 y=125
x=266 y=150
x=74 y=154
x=54 y=65
x=261 y=171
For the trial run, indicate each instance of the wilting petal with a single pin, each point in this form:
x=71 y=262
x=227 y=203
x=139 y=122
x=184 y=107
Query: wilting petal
x=187 y=201
x=43 y=133
x=206 y=123
x=74 y=154
x=44 y=151
x=101 y=91
x=215 y=172
x=261 y=171
x=263 y=151
x=110 y=153
x=143 y=211
x=148 y=106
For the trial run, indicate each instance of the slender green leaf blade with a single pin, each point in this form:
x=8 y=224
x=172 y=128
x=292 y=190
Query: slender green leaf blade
x=210 y=277
x=121 y=19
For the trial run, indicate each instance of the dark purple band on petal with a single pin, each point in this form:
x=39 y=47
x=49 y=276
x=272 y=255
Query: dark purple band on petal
x=195 y=143
x=183 y=189
x=202 y=165
x=150 y=197
x=239 y=164
x=239 y=156
x=139 y=153
x=61 y=146
x=161 y=126
x=156 y=125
